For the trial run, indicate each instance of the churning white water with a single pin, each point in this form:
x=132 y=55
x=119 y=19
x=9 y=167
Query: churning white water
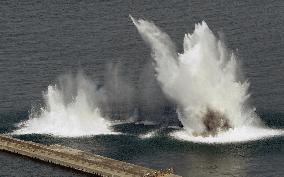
x=233 y=135
x=204 y=82
x=70 y=110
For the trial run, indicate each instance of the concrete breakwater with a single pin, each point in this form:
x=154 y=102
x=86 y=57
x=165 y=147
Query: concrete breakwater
x=78 y=160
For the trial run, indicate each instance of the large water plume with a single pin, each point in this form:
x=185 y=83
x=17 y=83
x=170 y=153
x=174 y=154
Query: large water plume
x=203 y=80
x=71 y=109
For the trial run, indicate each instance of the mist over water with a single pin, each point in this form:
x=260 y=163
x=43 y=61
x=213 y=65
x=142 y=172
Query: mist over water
x=71 y=109
x=204 y=81
x=118 y=101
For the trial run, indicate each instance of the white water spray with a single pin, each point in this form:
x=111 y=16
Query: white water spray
x=70 y=110
x=203 y=81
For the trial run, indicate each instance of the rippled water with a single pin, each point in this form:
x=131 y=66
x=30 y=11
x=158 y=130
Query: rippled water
x=41 y=40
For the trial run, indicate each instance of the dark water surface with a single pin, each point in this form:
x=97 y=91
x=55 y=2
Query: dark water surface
x=40 y=40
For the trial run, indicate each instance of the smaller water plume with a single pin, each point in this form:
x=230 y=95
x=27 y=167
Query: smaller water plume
x=71 y=109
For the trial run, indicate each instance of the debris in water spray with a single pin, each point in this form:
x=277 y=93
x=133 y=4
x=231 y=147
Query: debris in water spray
x=214 y=122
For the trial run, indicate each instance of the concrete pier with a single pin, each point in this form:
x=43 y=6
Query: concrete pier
x=78 y=160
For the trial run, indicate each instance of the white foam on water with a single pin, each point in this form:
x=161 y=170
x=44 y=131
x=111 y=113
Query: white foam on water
x=241 y=134
x=80 y=116
x=145 y=122
x=147 y=135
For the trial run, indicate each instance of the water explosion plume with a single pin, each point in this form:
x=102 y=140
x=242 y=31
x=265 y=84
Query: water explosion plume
x=71 y=109
x=203 y=80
